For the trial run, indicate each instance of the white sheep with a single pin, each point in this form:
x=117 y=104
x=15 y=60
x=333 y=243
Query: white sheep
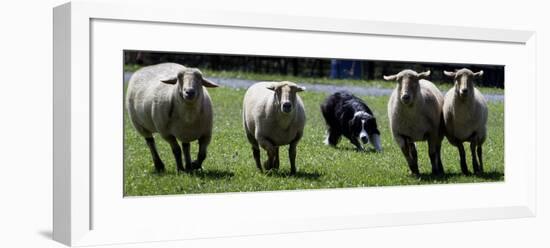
x=465 y=114
x=414 y=111
x=273 y=116
x=171 y=100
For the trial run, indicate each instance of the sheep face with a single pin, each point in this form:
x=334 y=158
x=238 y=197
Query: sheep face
x=464 y=81
x=285 y=95
x=408 y=86
x=189 y=84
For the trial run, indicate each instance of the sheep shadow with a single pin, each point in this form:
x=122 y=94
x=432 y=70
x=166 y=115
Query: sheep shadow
x=212 y=174
x=299 y=174
x=492 y=175
x=201 y=173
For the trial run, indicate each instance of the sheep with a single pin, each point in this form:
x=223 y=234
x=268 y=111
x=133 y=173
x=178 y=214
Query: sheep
x=465 y=115
x=273 y=116
x=415 y=114
x=171 y=100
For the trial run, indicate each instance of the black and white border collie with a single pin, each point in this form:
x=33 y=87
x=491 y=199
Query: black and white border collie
x=346 y=114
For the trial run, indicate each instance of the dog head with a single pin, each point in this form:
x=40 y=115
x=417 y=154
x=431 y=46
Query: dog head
x=363 y=126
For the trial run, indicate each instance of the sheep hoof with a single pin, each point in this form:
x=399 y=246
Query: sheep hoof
x=159 y=168
x=415 y=174
x=269 y=172
x=438 y=174
x=267 y=166
x=196 y=165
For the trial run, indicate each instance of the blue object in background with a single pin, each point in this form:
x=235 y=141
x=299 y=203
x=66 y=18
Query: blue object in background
x=346 y=69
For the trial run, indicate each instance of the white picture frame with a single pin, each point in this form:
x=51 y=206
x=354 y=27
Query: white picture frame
x=80 y=212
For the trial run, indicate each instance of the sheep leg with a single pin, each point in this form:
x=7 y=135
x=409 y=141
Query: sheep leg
x=438 y=148
x=256 y=154
x=276 y=159
x=255 y=150
x=462 y=153
x=410 y=156
x=480 y=157
x=292 y=157
x=176 y=150
x=270 y=162
x=474 y=157
x=186 y=147
x=270 y=148
x=201 y=156
x=434 y=156
x=292 y=153
x=441 y=136
x=159 y=166
x=414 y=157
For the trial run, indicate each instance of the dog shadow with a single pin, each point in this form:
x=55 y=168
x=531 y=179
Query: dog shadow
x=353 y=149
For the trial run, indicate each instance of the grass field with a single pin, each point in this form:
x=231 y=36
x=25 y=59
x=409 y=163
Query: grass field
x=230 y=167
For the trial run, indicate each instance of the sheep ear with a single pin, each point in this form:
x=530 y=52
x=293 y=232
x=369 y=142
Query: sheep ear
x=208 y=83
x=424 y=75
x=172 y=80
x=478 y=74
x=449 y=73
x=390 y=78
x=272 y=87
x=300 y=88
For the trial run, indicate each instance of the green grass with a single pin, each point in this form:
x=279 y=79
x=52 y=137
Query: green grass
x=317 y=80
x=132 y=67
x=230 y=167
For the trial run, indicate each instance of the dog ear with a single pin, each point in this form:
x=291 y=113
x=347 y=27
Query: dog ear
x=371 y=124
x=351 y=121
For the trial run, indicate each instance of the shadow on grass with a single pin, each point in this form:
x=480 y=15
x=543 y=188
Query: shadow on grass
x=299 y=174
x=353 y=149
x=203 y=174
x=492 y=175
x=212 y=174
